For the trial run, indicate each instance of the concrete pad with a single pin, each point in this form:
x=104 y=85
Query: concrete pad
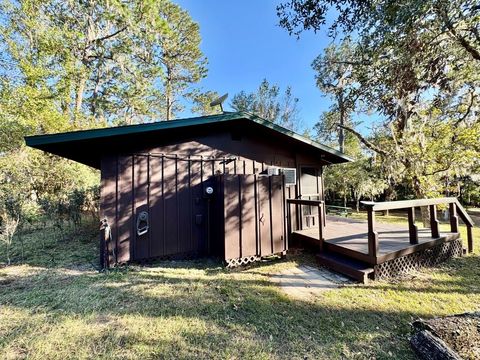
x=306 y=282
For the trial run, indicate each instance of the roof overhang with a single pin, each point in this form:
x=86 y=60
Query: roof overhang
x=88 y=146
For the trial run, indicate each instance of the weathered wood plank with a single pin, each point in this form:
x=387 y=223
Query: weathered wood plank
x=277 y=214
x=412 y=228
x=434 y=221
x=140 y=204
x=247 y=194
x=430 y=347
x=404 y=204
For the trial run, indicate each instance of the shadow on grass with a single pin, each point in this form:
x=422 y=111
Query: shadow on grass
x=215 y=312
x=232 y=305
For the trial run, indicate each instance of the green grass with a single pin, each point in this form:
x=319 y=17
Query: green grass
x=60 y=307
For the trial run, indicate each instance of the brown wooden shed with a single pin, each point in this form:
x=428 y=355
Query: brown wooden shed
x=212 y=185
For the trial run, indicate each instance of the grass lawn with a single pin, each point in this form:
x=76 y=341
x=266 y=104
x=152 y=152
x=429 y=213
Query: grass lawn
x=57 y=306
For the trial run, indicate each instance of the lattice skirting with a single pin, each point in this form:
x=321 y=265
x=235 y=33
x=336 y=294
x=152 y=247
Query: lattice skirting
x=232 y=263
x=428 y=257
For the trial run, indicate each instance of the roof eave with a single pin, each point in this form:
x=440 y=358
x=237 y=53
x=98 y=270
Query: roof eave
x=42 y=141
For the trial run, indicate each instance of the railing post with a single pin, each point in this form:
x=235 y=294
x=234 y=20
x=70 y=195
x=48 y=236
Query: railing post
x=469 y=239
x=434 y=221
x=462 y=213
x=452 y=212
x=324 y=214
x=412 y=228
x=289 y=218
x=320 y=227
x=372 y=234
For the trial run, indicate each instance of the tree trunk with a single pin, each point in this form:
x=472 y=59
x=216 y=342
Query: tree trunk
x=341 y=133
x=79 y=96
x=8 y=253
x=168 y=94
x=419 y=194
x=93 y=107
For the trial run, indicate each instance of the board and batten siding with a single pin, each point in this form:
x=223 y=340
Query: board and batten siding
x=168 y=183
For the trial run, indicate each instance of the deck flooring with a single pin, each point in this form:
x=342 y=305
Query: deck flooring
x=352 y=234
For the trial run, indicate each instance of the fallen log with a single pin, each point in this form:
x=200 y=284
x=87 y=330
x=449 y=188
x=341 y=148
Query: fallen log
x=430 y=347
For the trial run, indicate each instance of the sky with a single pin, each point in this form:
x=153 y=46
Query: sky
x=244 y=44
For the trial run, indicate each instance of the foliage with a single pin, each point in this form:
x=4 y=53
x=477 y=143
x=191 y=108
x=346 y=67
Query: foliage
x=469 y=189
x=98 y=62
x=414 y=66
x=70 y=65
x=202 y=101
x=334 y=78
x=180 y=55
x=8 y=227
x=352 y=181
x=268 y=103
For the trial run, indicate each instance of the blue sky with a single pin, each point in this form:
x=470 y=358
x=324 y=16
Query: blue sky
x=244 y=44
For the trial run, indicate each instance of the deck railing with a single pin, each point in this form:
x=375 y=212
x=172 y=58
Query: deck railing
x=298 y=206
x=456 y=210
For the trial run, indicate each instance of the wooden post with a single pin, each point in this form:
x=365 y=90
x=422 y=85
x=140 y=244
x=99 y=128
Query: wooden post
x=412 y=228
x=468 y=223
x=324 y=214
x=453 y=217
x=289 y=219
x=434 y=221
x=372 y=234
x=320 y=227
x=469 y=239
x=324 y=209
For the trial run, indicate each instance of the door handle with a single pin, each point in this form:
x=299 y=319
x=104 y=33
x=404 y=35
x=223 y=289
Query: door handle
x=142 y=223
x=262 y=220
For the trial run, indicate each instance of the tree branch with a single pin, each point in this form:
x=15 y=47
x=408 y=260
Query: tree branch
x=472 y=97
x=364 y=141
x=446 y=168
x=106 y=37
x=346 y=62
x=461 y=39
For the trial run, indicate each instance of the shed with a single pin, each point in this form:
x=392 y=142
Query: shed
x=205 y=186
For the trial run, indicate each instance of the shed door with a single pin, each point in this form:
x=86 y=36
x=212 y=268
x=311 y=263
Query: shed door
x=169 y=191
x=254 y=213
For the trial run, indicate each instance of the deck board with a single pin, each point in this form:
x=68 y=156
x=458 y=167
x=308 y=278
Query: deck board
x=352 y=234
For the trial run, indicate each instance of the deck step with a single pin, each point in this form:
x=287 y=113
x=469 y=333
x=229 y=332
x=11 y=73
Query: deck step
x=352 y=268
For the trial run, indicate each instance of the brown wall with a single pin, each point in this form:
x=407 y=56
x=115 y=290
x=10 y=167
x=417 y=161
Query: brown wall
x=168 y=182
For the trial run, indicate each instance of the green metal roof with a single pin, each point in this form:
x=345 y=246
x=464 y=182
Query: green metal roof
x=52 y=141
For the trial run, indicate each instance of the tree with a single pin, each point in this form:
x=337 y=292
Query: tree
x=355 y=180
x=69 y=65
x=414 y=66
x=446 y=23
x=180 y=55
x=202 y=101
x=268 y=103
x=101 y=61
x=334 y=78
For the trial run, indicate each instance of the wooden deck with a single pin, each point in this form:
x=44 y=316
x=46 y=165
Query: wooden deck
x=350 y=237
